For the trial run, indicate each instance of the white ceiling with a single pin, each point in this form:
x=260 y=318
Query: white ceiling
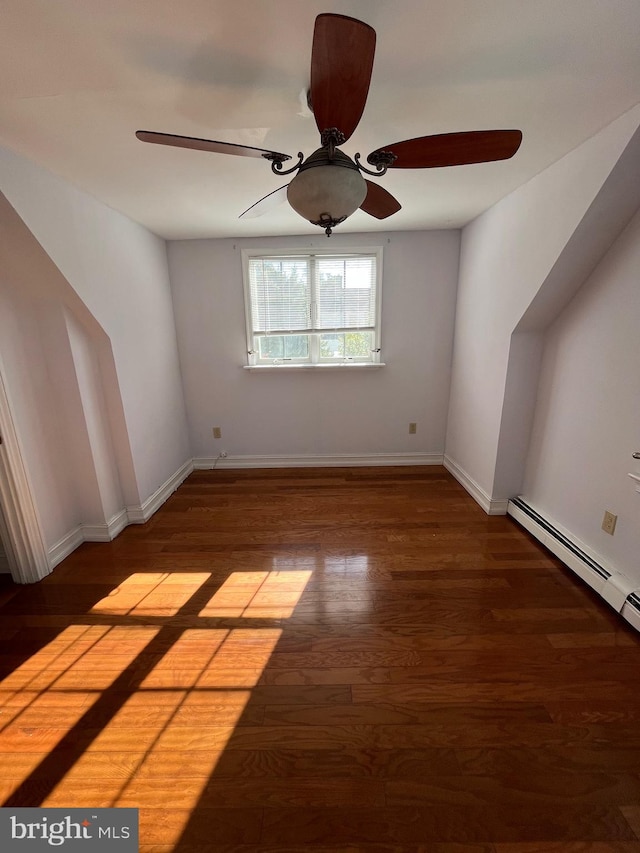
x=79 y=77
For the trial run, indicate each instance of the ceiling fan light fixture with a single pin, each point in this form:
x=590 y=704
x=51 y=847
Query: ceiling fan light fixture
x=329 y=185
x=327 y=193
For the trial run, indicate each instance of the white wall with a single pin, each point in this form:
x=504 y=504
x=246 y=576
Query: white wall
x=33 y=357
x=119 y=272
x=318 y=412
x=87 y=351
x=507 y=255
x=96 y=422
x=587 y=421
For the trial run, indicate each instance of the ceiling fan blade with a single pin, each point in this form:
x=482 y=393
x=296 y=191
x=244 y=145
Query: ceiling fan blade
x=379 y=202
x=266 y=203
x=452 y=149
x=341 y=66
x=205 y=145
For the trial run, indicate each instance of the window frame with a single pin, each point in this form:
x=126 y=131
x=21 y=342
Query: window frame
x=314 y=358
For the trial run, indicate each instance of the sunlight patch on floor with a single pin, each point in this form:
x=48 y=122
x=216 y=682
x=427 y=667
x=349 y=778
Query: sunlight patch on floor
x=166 y=596
x=54 y=689
x=258 y=595
x=164 y=701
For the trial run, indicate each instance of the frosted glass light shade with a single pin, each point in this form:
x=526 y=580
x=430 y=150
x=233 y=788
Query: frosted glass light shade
x=326 y=190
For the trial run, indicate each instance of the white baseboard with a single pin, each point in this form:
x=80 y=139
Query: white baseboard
x=65 y=546
x=613 y=586
x=141 y=514
x=107 y=531
x=335 y=460
x=104 y=532
x=491 y=507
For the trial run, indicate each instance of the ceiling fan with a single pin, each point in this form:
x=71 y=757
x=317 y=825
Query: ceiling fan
x=329 y=185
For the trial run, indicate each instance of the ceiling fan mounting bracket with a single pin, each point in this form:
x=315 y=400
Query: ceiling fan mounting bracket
x=382 y=160
x=277 y=160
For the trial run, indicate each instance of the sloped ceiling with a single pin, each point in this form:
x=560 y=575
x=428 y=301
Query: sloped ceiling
x=79 y=77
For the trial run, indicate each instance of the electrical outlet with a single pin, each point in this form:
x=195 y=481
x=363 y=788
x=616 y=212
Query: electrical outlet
x=413 y=428
x=223 y=454
x=609 y=522
x=217 y=432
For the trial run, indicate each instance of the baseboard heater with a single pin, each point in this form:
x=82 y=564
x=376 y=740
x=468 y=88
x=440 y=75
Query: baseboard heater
x=615 y=588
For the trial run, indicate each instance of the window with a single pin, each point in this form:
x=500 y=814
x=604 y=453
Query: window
x=313 y=308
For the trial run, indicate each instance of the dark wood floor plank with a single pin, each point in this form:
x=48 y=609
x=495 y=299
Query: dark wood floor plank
x=570 y=847
x=535 y=789
x=352 y=660
x=447 y=823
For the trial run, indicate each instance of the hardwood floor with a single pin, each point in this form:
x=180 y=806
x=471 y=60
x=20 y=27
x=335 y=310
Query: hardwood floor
x=333 y=660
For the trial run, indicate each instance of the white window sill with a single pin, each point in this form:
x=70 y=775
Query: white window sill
x=343 y=365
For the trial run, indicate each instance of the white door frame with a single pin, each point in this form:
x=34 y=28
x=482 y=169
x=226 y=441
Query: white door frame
x=19 y=523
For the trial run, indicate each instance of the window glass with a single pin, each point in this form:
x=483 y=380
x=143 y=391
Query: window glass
x=315 y=308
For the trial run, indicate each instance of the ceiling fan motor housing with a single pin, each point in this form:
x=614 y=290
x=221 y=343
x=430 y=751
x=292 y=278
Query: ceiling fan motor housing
x=328 y=186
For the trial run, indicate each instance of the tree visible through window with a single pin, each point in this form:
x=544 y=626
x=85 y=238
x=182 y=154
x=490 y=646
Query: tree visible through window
x=313 y=308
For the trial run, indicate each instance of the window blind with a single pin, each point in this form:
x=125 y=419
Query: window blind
x=312 y=293
x=346 y=293
x=280 y=294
